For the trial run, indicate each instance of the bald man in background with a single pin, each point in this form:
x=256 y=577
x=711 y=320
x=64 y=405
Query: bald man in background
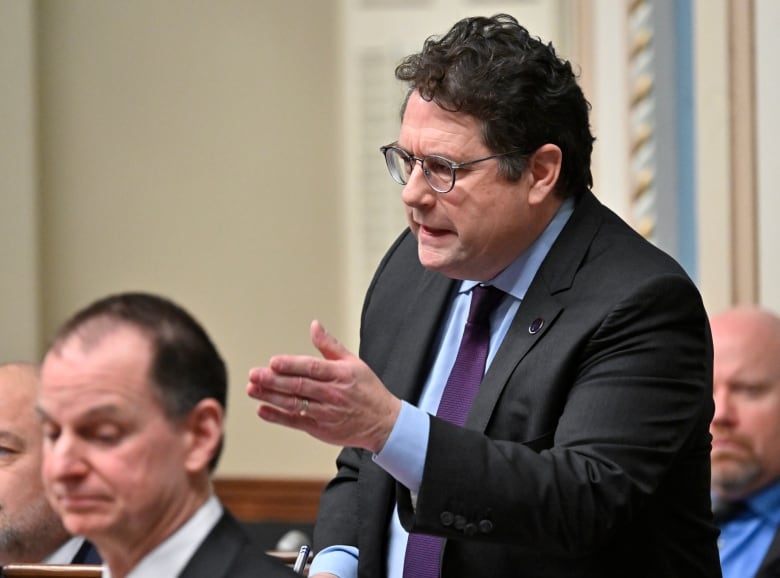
x=30 y=530
x=746 y=441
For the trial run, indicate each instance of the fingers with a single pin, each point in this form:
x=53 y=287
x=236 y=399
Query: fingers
x=290 y=378
x=278 y=404
x=335 y=398
x=278 y=416
x=326 y=343
x=280 y=390
x=303 y=369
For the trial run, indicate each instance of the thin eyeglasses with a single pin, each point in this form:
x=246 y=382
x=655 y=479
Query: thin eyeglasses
x=439 y=172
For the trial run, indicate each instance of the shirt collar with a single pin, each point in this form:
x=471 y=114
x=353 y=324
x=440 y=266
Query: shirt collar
x=170 y=557
x=516 y=278
x=766 y=503
x=65 y=553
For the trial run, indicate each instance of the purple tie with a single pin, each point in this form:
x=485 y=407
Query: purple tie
x=423 y=551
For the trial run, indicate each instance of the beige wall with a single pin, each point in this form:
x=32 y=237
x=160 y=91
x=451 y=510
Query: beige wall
x=188 y=148
x=19 y=305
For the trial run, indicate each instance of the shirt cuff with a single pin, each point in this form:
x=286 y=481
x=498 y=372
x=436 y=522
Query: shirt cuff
x=339 y=560
x=404 y=452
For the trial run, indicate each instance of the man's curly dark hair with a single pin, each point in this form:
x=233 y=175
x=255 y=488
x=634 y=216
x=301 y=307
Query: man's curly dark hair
x=524 y=95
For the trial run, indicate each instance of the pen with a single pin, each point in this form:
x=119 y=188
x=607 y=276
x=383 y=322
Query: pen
x=300 y=561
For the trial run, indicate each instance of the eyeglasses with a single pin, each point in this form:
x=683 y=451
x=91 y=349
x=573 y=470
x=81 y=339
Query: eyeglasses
x=438 y=171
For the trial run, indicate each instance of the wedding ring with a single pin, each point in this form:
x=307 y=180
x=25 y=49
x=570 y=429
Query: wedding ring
x=304 y=407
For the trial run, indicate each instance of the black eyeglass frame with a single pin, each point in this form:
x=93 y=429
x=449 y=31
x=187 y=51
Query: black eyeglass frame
x=453 y=166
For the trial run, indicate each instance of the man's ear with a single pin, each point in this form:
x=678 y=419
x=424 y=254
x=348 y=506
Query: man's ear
x=544 y=168
x=204 y=434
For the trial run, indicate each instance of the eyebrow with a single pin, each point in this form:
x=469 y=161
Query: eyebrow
x=100 y=411
x=433 y=154
x=8 y=436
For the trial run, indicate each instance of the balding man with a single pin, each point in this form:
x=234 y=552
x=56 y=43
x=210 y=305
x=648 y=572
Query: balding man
x=746 y=441
x=30 y=530
x=132 y=398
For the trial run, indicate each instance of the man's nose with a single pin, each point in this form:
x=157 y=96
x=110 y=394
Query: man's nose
x=65 y=458
x=725 y=413
x=417 y=192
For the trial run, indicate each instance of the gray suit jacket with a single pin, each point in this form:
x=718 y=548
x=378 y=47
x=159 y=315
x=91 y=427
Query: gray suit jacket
x=586 y=452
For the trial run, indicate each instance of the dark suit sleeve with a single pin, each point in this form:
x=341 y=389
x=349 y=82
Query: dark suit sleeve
x=616 y=406
x=338 y=517
x=339 y=520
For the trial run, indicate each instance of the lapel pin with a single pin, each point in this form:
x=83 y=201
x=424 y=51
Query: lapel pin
x=536 y=325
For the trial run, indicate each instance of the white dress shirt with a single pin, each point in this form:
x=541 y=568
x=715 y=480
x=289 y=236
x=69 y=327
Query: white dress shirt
x=65 y=553
x=169 y=558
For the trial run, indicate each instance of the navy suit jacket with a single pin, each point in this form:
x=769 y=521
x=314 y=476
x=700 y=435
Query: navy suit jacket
x=586 y=452
x=770 y=567
x=87 y=554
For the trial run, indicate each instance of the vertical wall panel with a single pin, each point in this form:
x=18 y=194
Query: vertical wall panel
x=767 y=48
x=712 y=159
x=19 y=283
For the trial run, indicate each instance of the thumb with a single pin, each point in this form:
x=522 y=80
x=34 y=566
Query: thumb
x=327 y=344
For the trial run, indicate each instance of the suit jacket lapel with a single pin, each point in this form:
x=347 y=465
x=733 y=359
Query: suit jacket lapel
x=516 y=344
x=554 y=276
x=218 y=550
x=87 y=554
x=411 y=356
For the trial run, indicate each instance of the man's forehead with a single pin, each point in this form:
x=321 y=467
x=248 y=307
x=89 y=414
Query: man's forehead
x=93 y=399
x=116 y=365
x=18 y=378
x=97 y=332
x=122 y=342
x=18 y=387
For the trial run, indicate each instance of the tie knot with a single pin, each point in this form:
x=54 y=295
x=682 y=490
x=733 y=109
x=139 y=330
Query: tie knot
x=484 y=300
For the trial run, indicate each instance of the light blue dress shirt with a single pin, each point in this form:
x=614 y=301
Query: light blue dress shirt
x=745 y=540
x=403 y=455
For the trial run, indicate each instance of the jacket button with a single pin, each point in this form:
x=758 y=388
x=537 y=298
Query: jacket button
x=460 y=522
x=486 y=526
x=446 y=518
x=470 y=529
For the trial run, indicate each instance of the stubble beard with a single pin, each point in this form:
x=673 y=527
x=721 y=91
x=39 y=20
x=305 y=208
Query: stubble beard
x=734 y=479
x=29 y=536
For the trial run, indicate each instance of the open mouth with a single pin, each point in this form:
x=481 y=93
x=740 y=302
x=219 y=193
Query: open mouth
x=431 y=232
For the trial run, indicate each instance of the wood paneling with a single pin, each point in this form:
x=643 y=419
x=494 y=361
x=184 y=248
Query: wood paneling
x=288 y=500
